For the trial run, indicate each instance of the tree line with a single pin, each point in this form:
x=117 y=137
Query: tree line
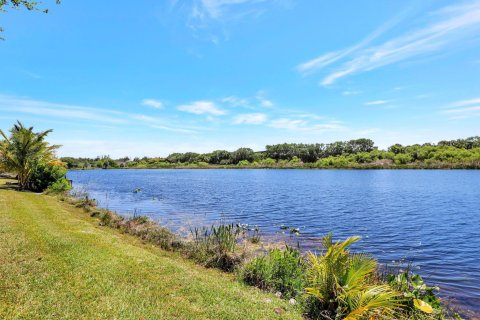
x=357 y=152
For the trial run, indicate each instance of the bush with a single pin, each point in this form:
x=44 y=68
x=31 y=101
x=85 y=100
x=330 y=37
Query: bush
x=402 y=158
x=267 y=162
x=243 y=163
x=278 y=270
x=60 y=186
x=44 y=175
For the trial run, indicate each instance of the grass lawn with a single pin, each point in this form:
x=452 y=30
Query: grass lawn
x=57 y=263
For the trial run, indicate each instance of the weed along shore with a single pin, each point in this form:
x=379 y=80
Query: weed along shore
x=63 y=257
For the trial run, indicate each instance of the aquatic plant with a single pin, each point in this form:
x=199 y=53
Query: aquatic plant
x=418 y=299
x=215 y=246
x=252 y=234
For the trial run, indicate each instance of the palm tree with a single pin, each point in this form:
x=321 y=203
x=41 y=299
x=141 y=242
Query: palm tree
x=344 y=284
x=22 y=150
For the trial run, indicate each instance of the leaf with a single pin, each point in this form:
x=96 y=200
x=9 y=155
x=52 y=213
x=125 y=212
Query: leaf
x=422 y=305
x=417 y=281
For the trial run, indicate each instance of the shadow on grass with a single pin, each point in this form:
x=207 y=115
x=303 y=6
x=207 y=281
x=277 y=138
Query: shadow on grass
x=8 y=183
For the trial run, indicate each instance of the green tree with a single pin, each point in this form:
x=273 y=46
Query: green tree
x=22 y=150
x=243 y=154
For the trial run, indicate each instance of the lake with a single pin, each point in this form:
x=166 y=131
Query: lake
x=429 y=217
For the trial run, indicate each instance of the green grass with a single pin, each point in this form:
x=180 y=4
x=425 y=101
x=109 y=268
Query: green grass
x=57 y=263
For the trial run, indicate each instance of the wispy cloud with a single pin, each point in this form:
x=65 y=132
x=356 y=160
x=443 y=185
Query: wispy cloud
x=73 y=113
x=259 y=100
x=463 y=109
x=452 y=25
x=215 y=9
x=234 y=101
x=250 y=118
x=306 y=126
x=376 y=102
x=332 y=57
x=157 y=104
x=351 y=92
x=464 y=103
x=264 y=102
x=210 y=19
x=48 y=109
x=202 y=107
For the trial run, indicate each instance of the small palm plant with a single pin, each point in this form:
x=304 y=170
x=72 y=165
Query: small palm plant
x=344 y=285
x=22 y=150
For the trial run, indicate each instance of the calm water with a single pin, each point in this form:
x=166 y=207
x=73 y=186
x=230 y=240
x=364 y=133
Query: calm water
x=430 y=217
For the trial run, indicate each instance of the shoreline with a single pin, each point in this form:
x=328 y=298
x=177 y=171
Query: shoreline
x=150 y=232
x=449 y=302
x=437 y=166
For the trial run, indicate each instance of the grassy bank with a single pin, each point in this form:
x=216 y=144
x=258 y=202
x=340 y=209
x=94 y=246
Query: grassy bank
x=58 y=263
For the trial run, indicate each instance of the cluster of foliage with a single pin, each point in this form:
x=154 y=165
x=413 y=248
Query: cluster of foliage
x=278 y=271
x=359 y=153
x=337 y=284
x=27 y=154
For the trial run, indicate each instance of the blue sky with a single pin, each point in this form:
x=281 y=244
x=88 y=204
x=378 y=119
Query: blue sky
x=155 y=77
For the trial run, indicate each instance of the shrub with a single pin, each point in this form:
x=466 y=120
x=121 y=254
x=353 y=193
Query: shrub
x=278 y=270
x=267 y=162
x=243 y=163
x=402 y=158
x=60 y=186
x=46 y=174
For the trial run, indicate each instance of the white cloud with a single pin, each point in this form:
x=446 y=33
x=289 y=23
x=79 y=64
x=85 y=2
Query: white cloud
x=216 y=9
x=332 y=57
x=56 y=110
x=264 y=102
x=306 y=126
x=464 y=103
x=453 y=25
x=236 y=101
x=153 y=103
x=351 y=92
x=202 y=107
x=71 y=113
x=376 y=102
x=250 y=118
x=210 y=19
x=464 y=109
